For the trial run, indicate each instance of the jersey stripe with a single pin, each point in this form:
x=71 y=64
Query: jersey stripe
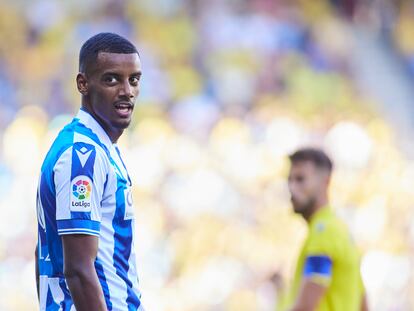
x=123 y=241
x=104 y=284
x=82 y=190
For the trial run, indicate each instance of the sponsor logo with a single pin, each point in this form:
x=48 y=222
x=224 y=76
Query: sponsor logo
x=81 y=194
x=81 y=204
x=81 y=189
x=320 y=227
x=129 y=209
x=83 y=155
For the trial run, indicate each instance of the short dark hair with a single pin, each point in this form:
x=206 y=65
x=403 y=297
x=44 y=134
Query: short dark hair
x=317 y=156
x=103 y=42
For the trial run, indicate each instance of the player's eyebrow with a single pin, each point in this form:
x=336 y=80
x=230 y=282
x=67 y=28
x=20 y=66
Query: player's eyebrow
x=110 y=73
x=136 y=74
x=113 y=73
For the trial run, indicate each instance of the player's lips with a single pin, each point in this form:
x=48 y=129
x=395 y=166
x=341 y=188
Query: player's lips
x=124 y=108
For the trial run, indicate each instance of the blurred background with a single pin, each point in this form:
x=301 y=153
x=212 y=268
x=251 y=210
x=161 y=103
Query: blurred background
x=229 y=89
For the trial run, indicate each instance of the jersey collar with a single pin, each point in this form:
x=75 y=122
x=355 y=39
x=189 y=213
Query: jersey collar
x=320 y=214
x=86 y=119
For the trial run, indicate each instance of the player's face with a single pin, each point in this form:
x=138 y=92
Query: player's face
x=306 y=182
x=113 y=87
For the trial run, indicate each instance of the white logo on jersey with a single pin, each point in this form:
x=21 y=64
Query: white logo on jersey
x=129 y=209
x=83 y=155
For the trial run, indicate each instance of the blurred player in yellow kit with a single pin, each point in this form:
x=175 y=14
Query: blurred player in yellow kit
x=327 y=276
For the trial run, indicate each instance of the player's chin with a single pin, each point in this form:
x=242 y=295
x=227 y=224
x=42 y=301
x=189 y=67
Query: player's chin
x=121 y=119
x=121 y=123
x=297 y=207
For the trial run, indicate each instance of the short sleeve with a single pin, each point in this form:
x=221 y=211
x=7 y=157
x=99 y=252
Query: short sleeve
x=320 y=254
x=79 y=178
x=318 y=269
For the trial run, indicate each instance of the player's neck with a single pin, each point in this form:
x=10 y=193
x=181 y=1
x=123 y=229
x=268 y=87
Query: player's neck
x=113 y=135
x=319 y=204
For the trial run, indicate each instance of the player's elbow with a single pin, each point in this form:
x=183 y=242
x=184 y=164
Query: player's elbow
x=74 y=272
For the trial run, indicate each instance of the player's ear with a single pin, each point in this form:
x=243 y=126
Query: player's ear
x=82 y=83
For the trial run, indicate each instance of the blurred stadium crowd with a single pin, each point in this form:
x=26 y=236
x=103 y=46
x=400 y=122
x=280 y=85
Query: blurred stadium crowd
x=229 y=88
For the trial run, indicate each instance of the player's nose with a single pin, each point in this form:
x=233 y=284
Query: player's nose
x=126 y=90
x=293 y=188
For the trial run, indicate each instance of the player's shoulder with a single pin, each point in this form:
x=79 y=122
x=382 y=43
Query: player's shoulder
x=62 y=142
x=84 y=135
x=330 y=232
x=330 y=235
x=76 y=138
x=323 y=236
x=327 y=227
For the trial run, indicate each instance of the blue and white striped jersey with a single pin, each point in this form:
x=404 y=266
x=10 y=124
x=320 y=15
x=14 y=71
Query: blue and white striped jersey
x=84 y=188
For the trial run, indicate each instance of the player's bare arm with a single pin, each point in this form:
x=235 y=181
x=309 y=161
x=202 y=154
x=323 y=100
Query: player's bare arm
x=79 y=253
x=309 y=296
x=81 y=266
x=364 y=303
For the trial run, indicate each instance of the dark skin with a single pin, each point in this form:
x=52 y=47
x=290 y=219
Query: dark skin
x=79 y=253
x=308 y=186
x=112 y=82
x=109 y=89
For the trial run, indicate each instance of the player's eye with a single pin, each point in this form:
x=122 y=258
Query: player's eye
x=300 y=179
x=134 y=80
x=110 y=79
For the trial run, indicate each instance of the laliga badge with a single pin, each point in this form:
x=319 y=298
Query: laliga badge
x=81 y=192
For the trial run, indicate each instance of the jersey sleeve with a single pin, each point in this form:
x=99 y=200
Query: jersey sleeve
x=320 y=255
x=79 y=175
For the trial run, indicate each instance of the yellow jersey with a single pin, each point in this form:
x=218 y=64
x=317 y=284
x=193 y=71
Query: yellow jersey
x=330 y=258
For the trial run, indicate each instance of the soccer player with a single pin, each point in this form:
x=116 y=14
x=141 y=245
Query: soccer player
x=85 y=252
x=327 y=276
